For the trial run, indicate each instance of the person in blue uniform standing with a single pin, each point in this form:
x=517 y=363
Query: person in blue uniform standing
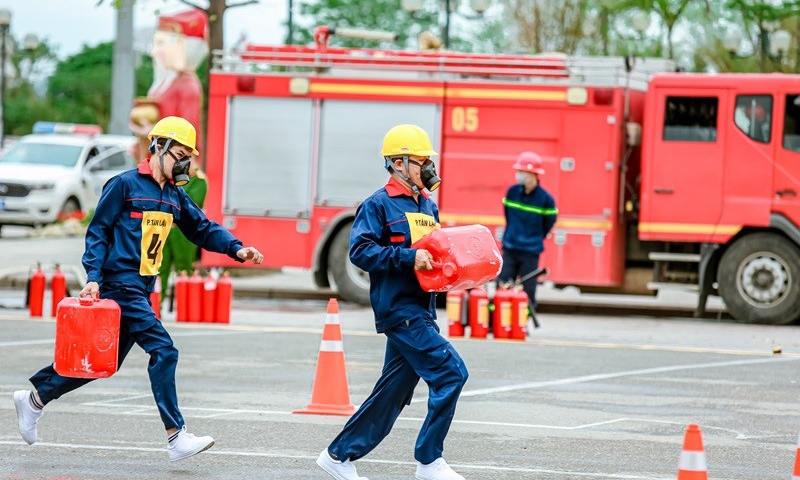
x=124 y=248
x=381 y=242
x=530 y=213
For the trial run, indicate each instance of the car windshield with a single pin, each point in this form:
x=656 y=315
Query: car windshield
x=32 y=153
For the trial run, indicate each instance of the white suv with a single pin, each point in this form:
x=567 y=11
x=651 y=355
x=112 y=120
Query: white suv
x=49 y=177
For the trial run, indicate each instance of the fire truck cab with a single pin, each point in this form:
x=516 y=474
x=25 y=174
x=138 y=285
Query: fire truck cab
x=693 y=177
x=719 y=187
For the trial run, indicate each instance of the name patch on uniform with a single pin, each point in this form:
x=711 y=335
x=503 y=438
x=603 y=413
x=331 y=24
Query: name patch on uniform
x=155 y=228
x=397 y=238
x=136 y=215
x=420 y=225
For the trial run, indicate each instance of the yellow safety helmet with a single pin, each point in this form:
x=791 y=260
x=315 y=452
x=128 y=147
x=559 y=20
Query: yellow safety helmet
x=407 y=140
x=176 y=128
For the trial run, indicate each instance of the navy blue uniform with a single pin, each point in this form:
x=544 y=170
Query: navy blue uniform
x=529 y=218
x=124 y=246
x=386 y=225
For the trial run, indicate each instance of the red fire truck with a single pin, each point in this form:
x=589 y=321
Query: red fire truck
x=691 y=178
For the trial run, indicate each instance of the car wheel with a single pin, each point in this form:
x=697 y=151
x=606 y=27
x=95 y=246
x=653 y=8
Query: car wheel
x=70 y=209
x=352 y=283
x=759 y=279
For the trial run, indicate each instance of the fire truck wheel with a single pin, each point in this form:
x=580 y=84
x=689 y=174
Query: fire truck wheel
x=759 y=279
x=352 y=283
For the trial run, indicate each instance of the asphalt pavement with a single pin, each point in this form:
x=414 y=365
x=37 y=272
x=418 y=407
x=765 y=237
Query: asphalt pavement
x=585 y=397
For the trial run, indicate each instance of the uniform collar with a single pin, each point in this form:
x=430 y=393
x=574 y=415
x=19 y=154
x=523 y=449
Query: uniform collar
x=395 y=189
x=144 y=169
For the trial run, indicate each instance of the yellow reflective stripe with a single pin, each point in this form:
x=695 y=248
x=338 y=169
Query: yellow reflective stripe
x=577 y=224
x=432 y=91
x=695 y=228
x=358 y=89
x=548 y=95
x=529 y=208
x=497 y=220
x=467 y=219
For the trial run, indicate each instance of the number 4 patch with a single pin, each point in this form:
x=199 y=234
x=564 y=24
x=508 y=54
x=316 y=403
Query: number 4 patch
x=155 y=228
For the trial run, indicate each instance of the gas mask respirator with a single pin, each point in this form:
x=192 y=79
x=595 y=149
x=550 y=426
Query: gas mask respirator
x=427 y=173
x=180 y=171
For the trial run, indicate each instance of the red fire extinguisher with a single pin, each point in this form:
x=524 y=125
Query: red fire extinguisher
x=478 y=313
x=209 y=299
x=519 y=314
x=224 y=299
x=455 y=311
x=36 y=292
x=155 y=298
x=181 y=297
x=58 y=287
x=501 y=319
x=194 y=298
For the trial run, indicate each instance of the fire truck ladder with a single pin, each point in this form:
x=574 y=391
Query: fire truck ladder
x=550 y=68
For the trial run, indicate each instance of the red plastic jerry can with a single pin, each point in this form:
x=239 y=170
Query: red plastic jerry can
x=87 y=338
x=463 y=257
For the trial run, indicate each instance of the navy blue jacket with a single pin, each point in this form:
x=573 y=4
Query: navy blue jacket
x=529 y=218
x=380 y=243
x=132 y=206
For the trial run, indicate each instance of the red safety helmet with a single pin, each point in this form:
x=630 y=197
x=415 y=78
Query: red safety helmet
x=529 y=162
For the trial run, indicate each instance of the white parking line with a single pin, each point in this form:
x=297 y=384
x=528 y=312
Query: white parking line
x=50 y=341
x=310 y=458
x=608 y=376
x=23 y=343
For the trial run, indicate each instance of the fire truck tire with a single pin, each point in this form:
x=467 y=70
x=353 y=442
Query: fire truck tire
x=759 y=279
x=352 y=283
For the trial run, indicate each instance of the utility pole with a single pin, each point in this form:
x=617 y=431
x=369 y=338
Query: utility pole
x=122 y=76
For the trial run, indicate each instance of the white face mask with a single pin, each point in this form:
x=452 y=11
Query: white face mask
x=521 y=177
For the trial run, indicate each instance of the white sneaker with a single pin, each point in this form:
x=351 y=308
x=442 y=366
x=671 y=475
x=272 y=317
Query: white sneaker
x=27 y=416
x=186 y=445
x=437 y=470
x=338 y=470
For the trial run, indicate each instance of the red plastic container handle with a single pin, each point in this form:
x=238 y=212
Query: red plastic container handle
x=86 y=301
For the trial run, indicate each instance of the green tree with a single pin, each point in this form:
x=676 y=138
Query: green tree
x=367 y=14
x=23 y=107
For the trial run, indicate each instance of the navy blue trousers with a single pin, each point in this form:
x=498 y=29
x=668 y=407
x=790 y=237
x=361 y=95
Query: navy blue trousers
x=517 y=263
x=140 y=326
x=413 y=350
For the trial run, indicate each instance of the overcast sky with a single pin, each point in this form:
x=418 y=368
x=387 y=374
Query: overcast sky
x=70 y=24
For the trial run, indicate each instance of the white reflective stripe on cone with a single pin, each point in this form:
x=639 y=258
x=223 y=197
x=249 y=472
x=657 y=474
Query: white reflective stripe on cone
x=332 y=318
x=693 y=461
x=331 y=346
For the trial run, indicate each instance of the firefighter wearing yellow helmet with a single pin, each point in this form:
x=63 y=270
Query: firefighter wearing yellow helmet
x=386 y=227
x=411 y=145
x=170 y=135
x=124 y=248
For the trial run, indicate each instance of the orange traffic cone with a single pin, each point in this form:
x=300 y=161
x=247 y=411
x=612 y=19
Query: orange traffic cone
x=796 y=471
x=330 y=394
x=692 y=465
